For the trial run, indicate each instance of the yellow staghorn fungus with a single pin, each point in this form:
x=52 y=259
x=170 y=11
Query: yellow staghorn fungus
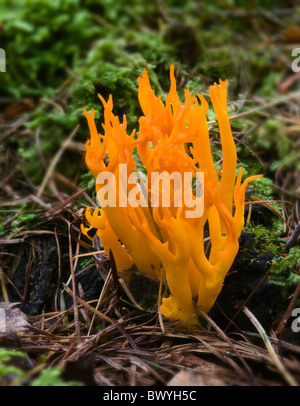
x=166 y=241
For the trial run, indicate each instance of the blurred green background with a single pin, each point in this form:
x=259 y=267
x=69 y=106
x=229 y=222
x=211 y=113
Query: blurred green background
x=61 y=53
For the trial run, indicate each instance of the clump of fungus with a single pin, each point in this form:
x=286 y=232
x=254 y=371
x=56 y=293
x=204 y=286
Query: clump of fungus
x=167 y=241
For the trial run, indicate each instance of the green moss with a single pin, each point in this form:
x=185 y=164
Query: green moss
x=265 y=240
x=52 y=377
x=16 y=376
x=264 y=189
x=285 y=270
x=36 y=55
x=6 y=356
